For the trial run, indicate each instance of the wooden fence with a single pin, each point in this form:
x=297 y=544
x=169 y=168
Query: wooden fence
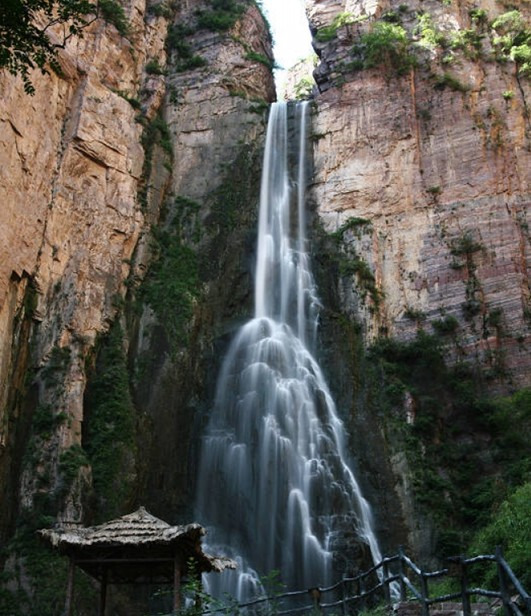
x=396 y=578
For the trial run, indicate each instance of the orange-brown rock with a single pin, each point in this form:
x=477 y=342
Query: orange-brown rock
x=71 y=166
x=441 y=174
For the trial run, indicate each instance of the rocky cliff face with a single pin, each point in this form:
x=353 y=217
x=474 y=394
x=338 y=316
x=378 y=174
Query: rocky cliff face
x=433 y=158
x=139 y=130
x=216 y=118
x=422 y=180
x=70 y=221
x=129 y=189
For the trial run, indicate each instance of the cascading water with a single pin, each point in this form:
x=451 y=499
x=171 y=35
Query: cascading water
x=274 y=487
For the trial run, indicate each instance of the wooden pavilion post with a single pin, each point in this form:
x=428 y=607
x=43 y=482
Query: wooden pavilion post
x=103 y=593
x=198 y=599
x=176 y=584
x=70 y=588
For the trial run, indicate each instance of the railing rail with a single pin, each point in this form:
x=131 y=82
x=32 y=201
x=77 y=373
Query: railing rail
x=388 y=581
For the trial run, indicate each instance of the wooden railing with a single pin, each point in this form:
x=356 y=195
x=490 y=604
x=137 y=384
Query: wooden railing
x=390 y=581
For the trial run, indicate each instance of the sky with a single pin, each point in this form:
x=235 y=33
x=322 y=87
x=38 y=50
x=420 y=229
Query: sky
x=291 y=34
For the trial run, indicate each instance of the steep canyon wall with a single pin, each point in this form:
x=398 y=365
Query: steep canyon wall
x=432 y=156
x=421 y=183
x=129 y=182
x=129 y=187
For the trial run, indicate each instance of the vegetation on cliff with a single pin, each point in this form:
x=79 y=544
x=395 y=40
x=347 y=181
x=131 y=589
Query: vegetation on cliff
x=468 y=452
x=400 y=40
x=464 y=453
x=109 y=436
x=172 y=285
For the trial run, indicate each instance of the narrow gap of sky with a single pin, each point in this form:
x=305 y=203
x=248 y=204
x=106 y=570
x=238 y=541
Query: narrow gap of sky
x=291 y=33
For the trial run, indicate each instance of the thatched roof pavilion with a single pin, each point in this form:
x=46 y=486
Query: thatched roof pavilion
x=134 y=549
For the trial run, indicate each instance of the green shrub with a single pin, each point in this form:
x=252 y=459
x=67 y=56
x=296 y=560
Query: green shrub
x=45 y=420
x=430 y=35
x=354 y=222
x=446 y=326
x=172 y=285
x=154 y=68
x=327 y=33
x=113 y=12
x=134 y=102
x=509 y=528
x=259 y=105
x=414 y=315
x=175 y=39
x=514 y=40
x=386 y=44
x=446 y=80
x=467 y=40
x=222 y=17
x=190 y=63
x=304 y=87
x=478 y=15
x=521 y=54
x=391 y=17
x=259 y=57
x=158 y=132
x=465 y=245
x=54 y=370
x=161 y=9
x=71 y=460
x=354 y=265
x=109 y=434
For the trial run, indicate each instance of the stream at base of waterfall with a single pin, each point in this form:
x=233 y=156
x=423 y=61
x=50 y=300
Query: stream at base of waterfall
x=274 y=488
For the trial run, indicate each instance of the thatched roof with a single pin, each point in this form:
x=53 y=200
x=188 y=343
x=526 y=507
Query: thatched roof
x=138 y=533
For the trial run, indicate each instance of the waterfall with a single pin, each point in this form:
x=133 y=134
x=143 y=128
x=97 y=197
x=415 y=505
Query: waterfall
x=274 y=486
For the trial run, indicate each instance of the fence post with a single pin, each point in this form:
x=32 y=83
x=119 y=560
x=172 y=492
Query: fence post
x=401 y=573
x=465 y=598
x=315 y=594
x=502 y=582
x=386 y=590
x=424 y=594
x=361 y=590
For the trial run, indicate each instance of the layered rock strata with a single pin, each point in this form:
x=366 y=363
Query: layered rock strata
x=80 y=196
x=422 y=179
x=433 y=160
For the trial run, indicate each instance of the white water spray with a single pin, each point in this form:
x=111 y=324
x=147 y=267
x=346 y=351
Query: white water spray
x=274 y=486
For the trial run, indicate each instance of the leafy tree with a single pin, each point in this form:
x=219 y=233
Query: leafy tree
x=25 y=26
x=510 y=528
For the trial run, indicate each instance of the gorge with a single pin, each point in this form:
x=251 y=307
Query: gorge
x=130 y=185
